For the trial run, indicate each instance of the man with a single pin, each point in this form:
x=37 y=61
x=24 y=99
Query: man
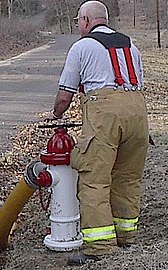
x=111 y=152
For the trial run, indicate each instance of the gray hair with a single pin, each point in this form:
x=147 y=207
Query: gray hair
x=94 y=10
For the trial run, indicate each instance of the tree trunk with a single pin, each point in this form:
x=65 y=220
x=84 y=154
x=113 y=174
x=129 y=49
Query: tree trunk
x=158 y=23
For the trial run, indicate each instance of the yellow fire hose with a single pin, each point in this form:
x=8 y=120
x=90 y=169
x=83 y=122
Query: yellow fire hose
x=11 y=208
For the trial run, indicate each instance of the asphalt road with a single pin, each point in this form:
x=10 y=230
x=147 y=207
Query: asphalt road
x=28 y=85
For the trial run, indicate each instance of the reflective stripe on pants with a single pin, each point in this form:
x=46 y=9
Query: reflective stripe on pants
x=125 y=225
x=98 y=234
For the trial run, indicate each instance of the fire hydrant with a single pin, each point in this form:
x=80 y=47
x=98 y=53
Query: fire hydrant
x=55 y=172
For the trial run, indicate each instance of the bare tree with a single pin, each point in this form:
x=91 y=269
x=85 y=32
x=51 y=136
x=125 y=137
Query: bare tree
x=63 y=13
x=68 y=16
x=10 y=7
x=67 y=9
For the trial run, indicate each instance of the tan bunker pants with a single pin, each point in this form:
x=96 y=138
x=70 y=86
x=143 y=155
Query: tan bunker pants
x=110 y=158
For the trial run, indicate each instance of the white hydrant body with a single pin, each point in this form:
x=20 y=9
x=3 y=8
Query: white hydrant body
x=65 y=219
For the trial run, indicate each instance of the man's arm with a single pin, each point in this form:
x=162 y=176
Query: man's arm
x=62 y=102
x=68 y=84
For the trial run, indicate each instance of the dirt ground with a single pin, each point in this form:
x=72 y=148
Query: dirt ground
x=150 y=252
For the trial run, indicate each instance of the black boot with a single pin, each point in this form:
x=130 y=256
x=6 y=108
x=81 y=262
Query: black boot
x=79 y=258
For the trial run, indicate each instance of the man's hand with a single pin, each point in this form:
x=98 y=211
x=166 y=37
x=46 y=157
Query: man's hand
x=51 y=116
x=62 y=102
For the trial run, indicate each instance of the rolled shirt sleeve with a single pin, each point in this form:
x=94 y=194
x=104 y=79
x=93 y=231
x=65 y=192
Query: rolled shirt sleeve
x=70 y=76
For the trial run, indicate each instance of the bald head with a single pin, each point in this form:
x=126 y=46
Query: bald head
x=94 y=10
x=90 y=14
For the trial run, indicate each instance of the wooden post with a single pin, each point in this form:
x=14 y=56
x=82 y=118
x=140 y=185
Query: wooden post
x=158 y=23
x=0 y=9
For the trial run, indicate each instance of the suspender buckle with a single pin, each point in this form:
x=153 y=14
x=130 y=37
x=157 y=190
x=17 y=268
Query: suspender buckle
x=93 y=98
x=134 y=88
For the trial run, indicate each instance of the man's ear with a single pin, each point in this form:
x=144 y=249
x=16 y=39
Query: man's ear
x=87 y=21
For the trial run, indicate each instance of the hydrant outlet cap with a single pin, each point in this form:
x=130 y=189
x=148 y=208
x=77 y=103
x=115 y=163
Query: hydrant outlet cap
x=44 y=179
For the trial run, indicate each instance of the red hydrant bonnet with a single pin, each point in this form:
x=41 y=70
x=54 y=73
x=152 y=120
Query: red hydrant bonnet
x=59 y=148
